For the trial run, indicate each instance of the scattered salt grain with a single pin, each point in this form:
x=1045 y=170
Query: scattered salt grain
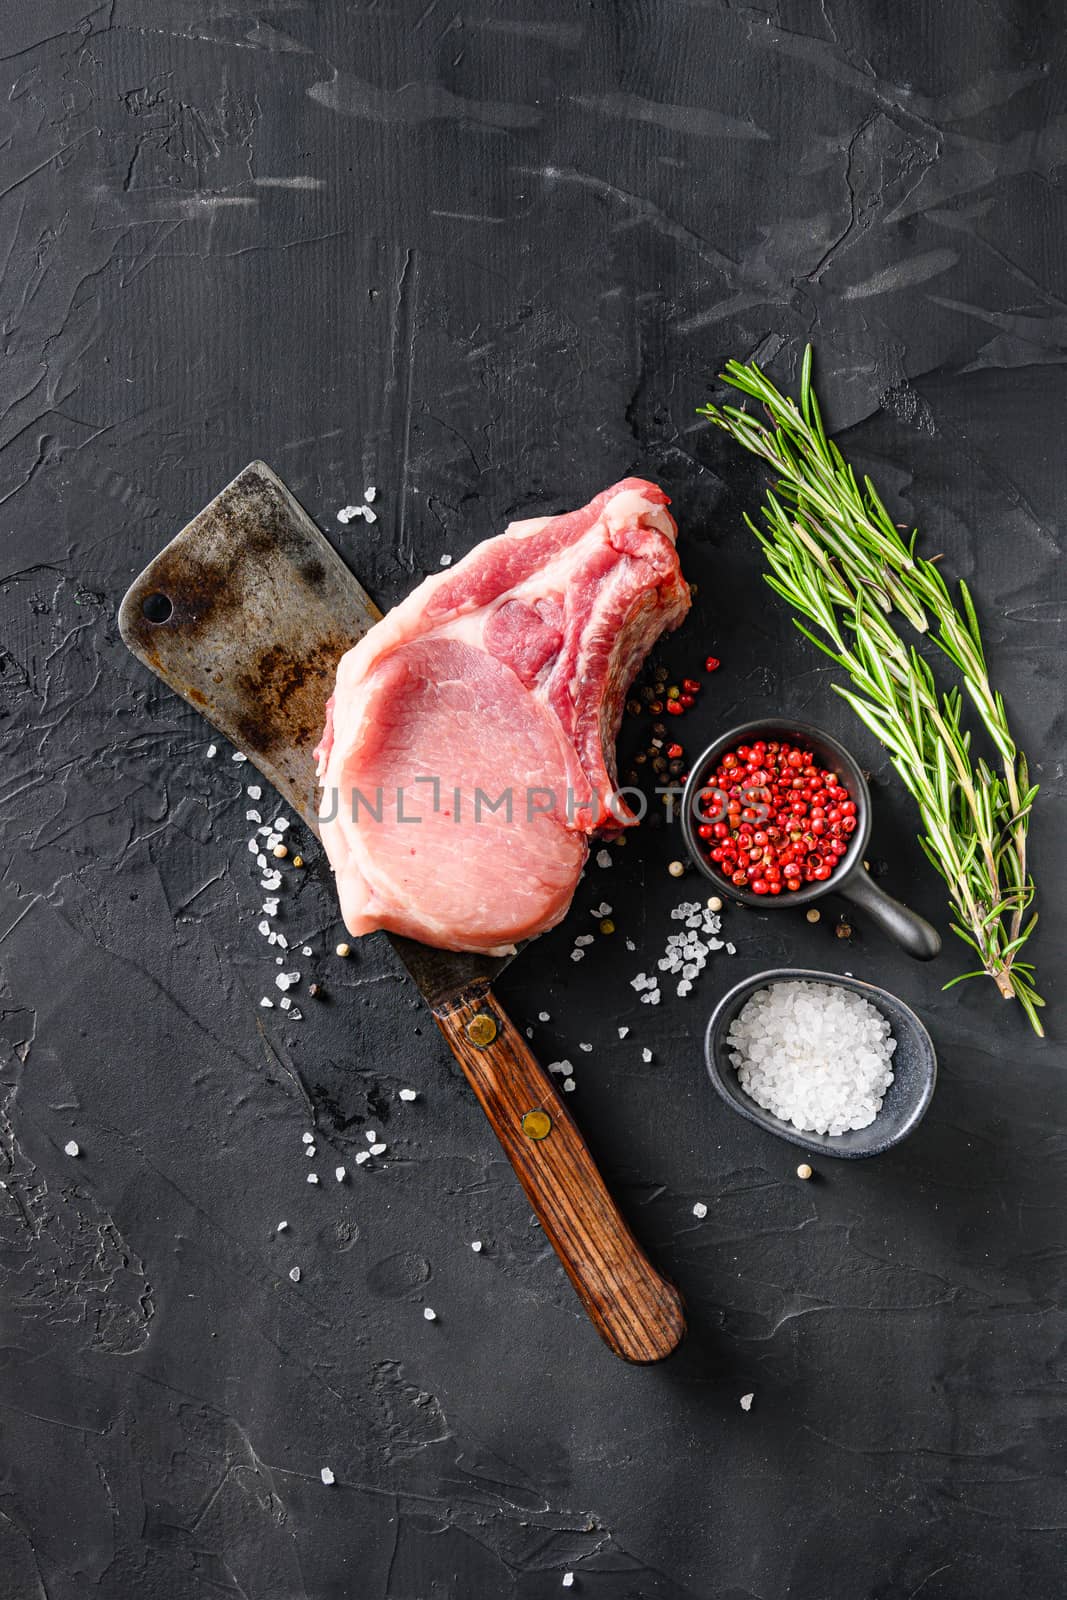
x=309 y=1149
x=270 y=907
x=568 y=1580
x=327 y=1476
x=429 y=1313
x=583 y=941
x=294 y=1273
x=307 y=1138
x=254 y=792
x=305 y=949
x=72 y=1148
x=378 y=1149
x=586 y=1047
x=212 y=751
x=267 y=1004
x=281 y=1227
x=369 y=515
x=577 y=955
x=348 y=513
x=630 y=945
x=446 y=561
x=815 y=1054
x=568 y=1086
x=238 y=757
x=285 y=980
x=409 y=1094
x=623 y=1032
x=746 y=1402
x=646 y=1054
x=370 y=495
x=700 y=1210
x=543 y=1016
x=603 y=858
x=476 y=1246
x=313 y=1177
x=361 y=1157
x=370 y=1136
x=264 y=928
x=340 y=1173
x=253 y=816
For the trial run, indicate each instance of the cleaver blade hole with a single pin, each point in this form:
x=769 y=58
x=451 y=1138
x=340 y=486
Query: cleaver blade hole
x=157 y=607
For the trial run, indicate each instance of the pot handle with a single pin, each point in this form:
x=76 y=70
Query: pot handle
x=910 y=931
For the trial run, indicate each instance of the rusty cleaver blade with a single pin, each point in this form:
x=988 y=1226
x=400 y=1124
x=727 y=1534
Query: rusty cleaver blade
x=245 y=614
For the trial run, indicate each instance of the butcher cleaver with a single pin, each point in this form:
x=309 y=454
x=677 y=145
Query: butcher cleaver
x=245 y=615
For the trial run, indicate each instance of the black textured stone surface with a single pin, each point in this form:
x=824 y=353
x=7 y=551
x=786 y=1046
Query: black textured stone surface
x=489 y=258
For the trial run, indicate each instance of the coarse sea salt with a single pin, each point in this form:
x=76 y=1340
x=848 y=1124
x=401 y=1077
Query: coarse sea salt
x=815 y=1054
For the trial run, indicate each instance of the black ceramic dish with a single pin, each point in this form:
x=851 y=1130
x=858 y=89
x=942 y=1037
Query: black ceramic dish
x=907 y=1098
x=912 y=932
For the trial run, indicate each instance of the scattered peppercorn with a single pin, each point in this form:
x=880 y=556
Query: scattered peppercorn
x=344 y=950
x=843 y=931
x=712 y=664
x=314 y=990
x=656 y=708
x=677 y=869
x=675 y=750
x=804 y=1171
x=607 y=926
x=280 y=851
x=814 y=914
x=298 y=861
x=673 y=692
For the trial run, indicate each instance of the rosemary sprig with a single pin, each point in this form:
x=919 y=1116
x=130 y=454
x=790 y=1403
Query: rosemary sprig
x=835 y=554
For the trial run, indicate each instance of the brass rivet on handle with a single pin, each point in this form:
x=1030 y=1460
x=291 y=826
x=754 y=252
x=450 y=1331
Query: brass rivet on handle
x=481 y=1030
x=537 y=1124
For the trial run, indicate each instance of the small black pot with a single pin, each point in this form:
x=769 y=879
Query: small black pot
x=906 y=1100
x=850 y=878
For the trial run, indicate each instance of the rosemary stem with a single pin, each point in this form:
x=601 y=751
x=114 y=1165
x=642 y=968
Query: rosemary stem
x=837 y=557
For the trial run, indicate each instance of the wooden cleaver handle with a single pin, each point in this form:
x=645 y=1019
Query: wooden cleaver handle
x=637 y=1313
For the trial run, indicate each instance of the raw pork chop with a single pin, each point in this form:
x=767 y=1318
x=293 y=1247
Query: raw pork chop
x=469 y=743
